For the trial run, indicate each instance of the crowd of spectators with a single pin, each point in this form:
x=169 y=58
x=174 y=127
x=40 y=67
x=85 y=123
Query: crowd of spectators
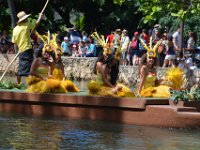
x=5 y=43
x=79 y=44
x=169 y=53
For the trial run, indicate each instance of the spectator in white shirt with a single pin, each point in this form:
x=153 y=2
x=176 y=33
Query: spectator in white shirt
x=191 y=40
x=124 y=47
x=177 y=39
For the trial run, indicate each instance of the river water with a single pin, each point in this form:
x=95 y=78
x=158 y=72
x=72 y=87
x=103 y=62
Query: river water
x=27 y=132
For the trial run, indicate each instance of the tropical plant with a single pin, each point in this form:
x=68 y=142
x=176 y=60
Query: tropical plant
x=77 y=19
x=11 y=85
x=181 y=95
x=185 y=95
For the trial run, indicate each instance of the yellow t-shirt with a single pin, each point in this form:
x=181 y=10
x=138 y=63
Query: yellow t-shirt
x=22 y=35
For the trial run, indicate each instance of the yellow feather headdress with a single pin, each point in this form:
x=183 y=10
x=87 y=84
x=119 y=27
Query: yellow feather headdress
x=49 y=41
x=106 y=49
x=151 y=51
x=101 y=41
x=58 y=51
x=118 y=54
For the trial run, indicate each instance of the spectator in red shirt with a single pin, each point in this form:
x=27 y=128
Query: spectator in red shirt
x=34 y=38
x=109 y=39
x=145 y=36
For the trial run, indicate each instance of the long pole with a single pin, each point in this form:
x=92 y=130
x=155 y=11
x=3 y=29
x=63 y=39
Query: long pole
x=9 y=66
x=44 y=7
x=19 y=52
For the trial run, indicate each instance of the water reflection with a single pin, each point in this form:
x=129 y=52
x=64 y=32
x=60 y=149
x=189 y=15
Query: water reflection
x=20 y=132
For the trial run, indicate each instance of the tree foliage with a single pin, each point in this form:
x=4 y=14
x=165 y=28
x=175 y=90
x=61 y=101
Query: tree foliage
x=191 y=24
x=102 y=15
x=181 y=9
x=170 y=12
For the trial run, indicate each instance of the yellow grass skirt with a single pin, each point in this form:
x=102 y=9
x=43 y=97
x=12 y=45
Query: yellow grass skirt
x=69 y=86
x=173 y=79
x=161 y=91
x=66 y=84
x=37 y=85
x=97 y=88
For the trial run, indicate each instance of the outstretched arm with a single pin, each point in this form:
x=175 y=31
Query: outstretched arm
x=38 y=20
x=104 y=72
x=63 y=70
x=142 y=78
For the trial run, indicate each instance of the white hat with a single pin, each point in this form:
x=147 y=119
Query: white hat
x=124 y=31
x=22 y=16
x=66 y=38
x=198 y=57
x=118 y=30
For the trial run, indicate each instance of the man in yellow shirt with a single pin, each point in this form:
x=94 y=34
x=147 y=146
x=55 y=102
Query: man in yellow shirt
x=22 y=38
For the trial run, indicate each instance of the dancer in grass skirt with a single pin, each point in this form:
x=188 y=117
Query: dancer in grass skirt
x=149 y=85
x=107 y=69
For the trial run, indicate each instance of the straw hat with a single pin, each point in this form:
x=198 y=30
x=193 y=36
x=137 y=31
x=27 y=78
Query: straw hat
x=22 y=16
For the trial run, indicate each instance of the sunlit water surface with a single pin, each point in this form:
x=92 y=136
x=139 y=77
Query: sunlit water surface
x=28 y=132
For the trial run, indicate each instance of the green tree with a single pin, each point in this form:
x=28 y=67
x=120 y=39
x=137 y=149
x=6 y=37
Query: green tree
x=182 y=9
x=103 y=15
x=155 y=9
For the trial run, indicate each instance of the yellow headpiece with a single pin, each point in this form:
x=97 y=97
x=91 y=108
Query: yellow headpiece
x=118 y=54
x=49 y=41
x=151 y=51
x=58 y=51
x=47 y=48
x=101 y=41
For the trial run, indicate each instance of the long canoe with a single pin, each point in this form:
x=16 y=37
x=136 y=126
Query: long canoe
x=137 y=111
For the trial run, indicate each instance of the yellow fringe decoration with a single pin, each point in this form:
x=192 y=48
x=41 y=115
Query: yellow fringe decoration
x=94 y=87
x=32 y=79
x=174 y=77
x=161 y=91
x=58 y=74
x=37 y=85
x=69 y=86
x=97 y=88
x=148 y=92
x=52 y=83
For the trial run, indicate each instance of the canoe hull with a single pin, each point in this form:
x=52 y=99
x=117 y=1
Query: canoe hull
x=125 y=110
